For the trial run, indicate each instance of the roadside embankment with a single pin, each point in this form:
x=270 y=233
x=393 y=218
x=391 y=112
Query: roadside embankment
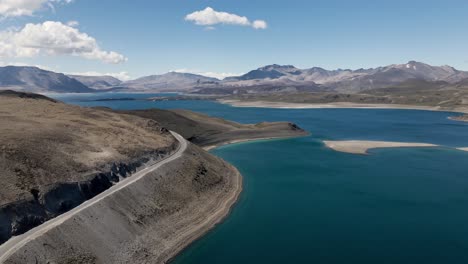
x=149 y=221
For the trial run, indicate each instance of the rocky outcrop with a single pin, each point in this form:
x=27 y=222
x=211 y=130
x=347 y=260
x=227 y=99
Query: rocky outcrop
x=50 y=201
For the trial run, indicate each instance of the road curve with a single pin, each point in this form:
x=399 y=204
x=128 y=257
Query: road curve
x=15 y=243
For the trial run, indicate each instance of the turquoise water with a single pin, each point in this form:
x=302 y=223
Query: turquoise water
x=304 y=203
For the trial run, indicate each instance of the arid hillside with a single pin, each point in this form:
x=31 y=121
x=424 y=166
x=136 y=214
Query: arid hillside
x=206 y=131
x=54 y=156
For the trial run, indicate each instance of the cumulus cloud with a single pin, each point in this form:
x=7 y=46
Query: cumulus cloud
x=53 y=38
x=15 y=8
x=123 y=76
x=217 y=75
x=259 y=24
x=210 y=17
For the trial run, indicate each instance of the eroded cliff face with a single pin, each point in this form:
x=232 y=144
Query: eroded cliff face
x=147 y=222
x=49 y=201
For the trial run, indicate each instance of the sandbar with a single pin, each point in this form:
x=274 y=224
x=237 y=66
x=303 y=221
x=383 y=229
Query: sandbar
x=362 y=146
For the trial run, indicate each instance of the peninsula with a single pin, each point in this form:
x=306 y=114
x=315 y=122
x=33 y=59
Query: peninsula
x=73 y=176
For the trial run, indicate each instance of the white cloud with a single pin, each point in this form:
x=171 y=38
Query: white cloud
x=15 y=8
x=210 y=17
x=217 y=75
x=53 y=38
x=259 y=24
x=123 y=76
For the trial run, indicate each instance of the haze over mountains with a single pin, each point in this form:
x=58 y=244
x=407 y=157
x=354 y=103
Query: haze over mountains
x=267 y=79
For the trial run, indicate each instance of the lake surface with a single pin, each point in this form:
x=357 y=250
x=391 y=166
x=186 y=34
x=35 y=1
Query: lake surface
x=305 y=203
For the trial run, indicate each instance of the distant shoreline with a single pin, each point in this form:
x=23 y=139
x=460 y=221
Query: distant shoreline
x=237 y=141
x=338 y=105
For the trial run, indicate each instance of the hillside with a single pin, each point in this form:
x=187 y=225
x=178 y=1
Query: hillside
x=97 y=82
x=264 y=80
x=172 y=81
x=33 y=79
x=51 y=151
x=271 y=77
x=438 y=94
x=208 y=131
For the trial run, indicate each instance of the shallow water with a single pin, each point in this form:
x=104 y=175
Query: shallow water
x=304 y=203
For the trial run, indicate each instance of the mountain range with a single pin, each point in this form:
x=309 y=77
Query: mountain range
x=33 y=79
x=172 y=81
x=345 y=80
x=267 y=79
x=97 y=82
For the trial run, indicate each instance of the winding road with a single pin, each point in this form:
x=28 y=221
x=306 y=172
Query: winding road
x=15 y=243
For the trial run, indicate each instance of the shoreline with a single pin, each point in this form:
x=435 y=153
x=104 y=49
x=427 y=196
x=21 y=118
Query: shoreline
x=226 y=210
x=237 y=141
x=211 y=222
x=338 y=105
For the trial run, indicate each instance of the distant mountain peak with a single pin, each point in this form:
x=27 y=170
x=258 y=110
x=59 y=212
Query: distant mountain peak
x=276 y=66
x=97 y=82
x=34 y=79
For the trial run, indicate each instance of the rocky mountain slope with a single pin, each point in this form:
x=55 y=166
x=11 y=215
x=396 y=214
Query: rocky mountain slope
x=268 y=79
x=33 y=79
x=97 y=82
x=172 y=81
x=344 y=81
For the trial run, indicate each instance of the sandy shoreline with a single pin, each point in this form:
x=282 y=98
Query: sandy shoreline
x=211 y=147
x=283 y=105
x=362 y=146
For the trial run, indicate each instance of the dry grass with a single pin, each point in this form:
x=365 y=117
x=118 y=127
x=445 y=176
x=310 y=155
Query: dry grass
x=44 y=142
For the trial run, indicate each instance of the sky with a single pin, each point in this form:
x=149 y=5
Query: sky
x=130 y=39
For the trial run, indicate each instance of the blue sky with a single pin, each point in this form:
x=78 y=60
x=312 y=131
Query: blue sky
x=155 y=37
